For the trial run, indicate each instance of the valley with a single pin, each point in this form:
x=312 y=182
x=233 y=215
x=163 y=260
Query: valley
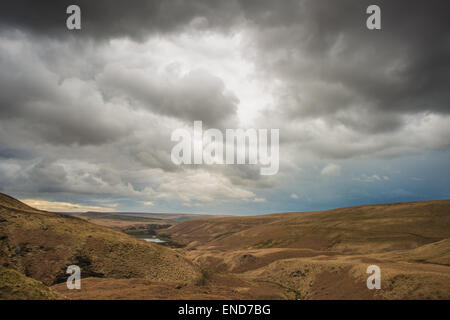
x=300 y=255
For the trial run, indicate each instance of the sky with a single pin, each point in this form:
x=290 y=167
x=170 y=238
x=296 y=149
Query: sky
x=86 y=115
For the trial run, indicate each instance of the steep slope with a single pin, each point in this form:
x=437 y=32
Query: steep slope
x=16 y=286
x=41 y=245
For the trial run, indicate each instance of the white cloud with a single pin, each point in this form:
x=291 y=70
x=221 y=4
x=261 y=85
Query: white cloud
x=371 y=178
x=200 y=185
x=58 y=206
x=331 y=170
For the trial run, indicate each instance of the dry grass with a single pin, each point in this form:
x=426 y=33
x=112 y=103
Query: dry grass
x=363 y=229
x=41 y=245
x=315 y=255
x=324 y=255
x=15 y=286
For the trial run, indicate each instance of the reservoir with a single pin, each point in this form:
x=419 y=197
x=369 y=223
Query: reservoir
x=153 y=240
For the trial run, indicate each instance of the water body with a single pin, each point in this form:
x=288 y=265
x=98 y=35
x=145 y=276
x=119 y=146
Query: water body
x=153 y=240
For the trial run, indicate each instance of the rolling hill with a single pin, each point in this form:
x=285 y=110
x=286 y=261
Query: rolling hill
x=324 y=255
x=362 y=229
x=300 y=255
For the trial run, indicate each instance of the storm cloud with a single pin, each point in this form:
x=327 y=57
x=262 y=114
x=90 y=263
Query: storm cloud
x=87 y=114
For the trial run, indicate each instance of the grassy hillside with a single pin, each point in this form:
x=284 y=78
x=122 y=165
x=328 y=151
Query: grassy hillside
x=324 y=255
x=313 y=255
x=363 y=229
x=16 y=286
x=41 y=245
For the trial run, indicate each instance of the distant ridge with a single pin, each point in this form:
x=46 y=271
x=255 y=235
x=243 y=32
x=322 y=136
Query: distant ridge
x=379 y=227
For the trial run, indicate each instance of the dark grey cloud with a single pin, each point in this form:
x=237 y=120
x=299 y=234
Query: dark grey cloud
x=68 y=111
x=47 y=176
x=15 y=153
x=197 y=95
x=76 y=117
x=105 y=19
x=335 y=68
x=403 y=68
